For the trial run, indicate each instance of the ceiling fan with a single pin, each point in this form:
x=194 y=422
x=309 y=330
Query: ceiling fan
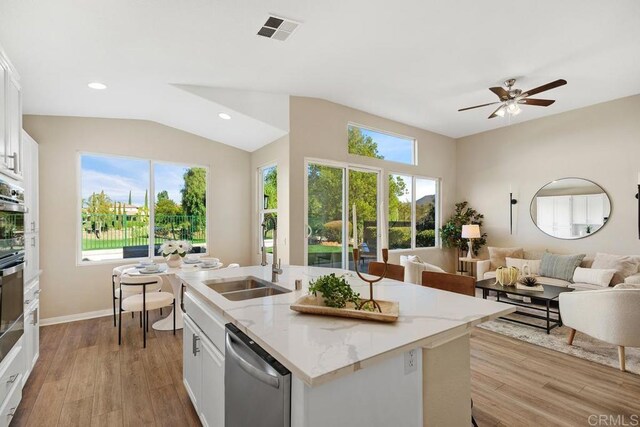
x=511 y=99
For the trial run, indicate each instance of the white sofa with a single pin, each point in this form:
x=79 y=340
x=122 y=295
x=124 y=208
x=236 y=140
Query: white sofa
x=484 y=271
x=413 y=268
x=610 y=315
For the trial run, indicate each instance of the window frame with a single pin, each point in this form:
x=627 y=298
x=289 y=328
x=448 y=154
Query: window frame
x=261 y=211
x=152 y=202
x=414 y=143
x=438 y=200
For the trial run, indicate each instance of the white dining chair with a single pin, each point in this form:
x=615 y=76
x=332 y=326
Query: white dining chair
x=115 y=284
x=150 y=298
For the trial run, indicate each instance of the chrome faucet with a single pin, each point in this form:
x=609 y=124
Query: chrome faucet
x=276 y=267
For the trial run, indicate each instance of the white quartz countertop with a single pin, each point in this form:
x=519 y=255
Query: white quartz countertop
x=318 y=348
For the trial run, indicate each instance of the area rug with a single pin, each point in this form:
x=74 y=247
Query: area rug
x=583 y=346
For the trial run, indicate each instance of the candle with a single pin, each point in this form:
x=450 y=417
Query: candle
x=355 y=228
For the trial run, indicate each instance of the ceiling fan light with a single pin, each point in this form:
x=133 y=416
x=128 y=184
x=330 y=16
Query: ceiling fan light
x=515 y=111
x=500 y=112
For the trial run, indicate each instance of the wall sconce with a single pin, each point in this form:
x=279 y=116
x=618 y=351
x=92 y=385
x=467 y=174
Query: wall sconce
x=512 y=202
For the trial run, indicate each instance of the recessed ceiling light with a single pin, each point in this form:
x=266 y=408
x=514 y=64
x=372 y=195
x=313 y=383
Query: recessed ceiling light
x=97 y=86
x=224 y=116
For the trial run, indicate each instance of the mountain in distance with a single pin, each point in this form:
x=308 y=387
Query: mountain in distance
x=430 y=198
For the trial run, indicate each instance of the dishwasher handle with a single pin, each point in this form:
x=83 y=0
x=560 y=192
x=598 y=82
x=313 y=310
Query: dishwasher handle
x=249 y=368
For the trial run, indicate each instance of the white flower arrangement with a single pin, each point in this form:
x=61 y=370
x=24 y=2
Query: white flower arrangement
x=175 y=247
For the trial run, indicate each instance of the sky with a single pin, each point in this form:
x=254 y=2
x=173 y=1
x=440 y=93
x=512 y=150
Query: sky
x=393 y=148
x=119 y=175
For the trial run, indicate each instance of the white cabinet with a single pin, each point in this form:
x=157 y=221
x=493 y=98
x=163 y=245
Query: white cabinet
x=580 y=209
x=31 y=337
x=30 y=183
x=191 y=361
x=203 y=365
x=10 y=120
x=11 y=372
x=212 y=397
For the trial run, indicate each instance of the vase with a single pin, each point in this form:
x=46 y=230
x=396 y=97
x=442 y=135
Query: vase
x=174 y=260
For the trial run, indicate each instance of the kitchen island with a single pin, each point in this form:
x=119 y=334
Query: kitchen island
x=344 y=372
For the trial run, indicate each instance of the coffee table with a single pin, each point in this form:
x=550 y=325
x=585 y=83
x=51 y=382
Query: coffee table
x=551 y=293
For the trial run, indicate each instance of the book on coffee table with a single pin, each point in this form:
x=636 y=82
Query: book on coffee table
x=538 y=288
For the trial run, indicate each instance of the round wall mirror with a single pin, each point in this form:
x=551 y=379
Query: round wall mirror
x=570 y=208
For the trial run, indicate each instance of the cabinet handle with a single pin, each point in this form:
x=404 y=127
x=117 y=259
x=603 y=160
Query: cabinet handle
x=34 y=316
x=12 y=379
x=33 y=226
x=27 y=301
x=182 y=298
x=196 y=350
x=33 y=242
x=15 y=162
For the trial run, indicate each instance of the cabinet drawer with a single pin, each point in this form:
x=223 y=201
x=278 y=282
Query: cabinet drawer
x=211 y=323
x=10 y=404
x=12 y=369
x=31 y=292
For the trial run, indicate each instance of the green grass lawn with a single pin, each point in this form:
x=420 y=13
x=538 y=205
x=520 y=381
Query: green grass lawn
x=97 y=244
x=322 y=249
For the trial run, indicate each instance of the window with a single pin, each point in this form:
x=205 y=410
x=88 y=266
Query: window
x=381 y=145
x=413 y=212
x=268 y=203
x=126 y=200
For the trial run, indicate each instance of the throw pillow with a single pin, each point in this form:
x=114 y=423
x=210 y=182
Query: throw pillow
x=593 y=276
x=560 y=266
x=634 y=279
x=624 y=265
x=414 y=258
x=534 y=265
x=498 y=256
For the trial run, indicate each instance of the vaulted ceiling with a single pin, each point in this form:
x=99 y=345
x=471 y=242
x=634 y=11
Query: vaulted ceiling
x=414 y=61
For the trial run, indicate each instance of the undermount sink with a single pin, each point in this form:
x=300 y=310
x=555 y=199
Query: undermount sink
x=244 y=288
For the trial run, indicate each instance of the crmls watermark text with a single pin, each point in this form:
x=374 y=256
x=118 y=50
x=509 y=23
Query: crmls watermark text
x=614 y=420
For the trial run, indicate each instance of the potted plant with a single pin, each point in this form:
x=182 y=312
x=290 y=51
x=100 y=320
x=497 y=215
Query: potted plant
x=173 y=251
x=451 y=231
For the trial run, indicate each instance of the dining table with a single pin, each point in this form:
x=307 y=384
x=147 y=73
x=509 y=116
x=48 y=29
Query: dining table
x=170 y=274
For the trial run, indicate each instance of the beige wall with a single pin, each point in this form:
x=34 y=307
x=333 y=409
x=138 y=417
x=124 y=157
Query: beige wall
x=318 y=129
x=600 y=143
x=276 y=153
x=68 y=288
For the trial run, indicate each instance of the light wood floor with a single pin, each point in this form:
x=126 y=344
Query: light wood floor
x=84 y=378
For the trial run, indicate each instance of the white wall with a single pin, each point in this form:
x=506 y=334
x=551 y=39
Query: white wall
x=600 y=143
x=319 y=130
x=68 y=288
x=276 y=153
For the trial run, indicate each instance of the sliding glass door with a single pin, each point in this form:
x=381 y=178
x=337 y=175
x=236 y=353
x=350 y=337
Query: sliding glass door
x=330 y=226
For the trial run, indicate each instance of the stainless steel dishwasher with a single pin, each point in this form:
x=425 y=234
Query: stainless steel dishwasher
x=257 y=388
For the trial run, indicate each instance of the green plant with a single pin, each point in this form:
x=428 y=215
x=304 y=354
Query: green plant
x=335 y=290
x=451 y=231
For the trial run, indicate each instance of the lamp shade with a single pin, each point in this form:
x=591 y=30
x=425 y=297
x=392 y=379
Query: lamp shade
x=471 y=231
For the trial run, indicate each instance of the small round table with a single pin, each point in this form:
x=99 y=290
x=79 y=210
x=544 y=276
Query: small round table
x=166 y=324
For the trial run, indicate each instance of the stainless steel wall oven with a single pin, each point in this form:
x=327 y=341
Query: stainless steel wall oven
x=12 y=210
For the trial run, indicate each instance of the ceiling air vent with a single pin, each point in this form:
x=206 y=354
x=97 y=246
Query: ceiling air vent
x=278 y=28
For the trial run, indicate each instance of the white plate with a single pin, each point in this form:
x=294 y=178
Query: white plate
x=192 y=261
x=160 y=270
x=210 y=267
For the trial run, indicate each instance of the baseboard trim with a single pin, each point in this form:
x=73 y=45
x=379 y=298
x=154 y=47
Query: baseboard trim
x=76 y=317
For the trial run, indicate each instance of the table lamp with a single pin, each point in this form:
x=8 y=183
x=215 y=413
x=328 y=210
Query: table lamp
x=471 y=231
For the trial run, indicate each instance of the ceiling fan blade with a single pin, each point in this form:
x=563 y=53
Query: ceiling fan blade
x=548 y=86
x=502 y=93
x=478 y=106
x=494 y=113
x=538 y=102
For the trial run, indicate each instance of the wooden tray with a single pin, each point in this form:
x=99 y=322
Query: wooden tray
x=309 y=304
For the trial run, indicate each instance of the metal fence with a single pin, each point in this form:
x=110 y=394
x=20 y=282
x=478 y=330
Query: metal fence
x=111 y=231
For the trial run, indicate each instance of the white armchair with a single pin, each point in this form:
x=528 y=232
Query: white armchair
x=482 y=267
x=610 y=315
